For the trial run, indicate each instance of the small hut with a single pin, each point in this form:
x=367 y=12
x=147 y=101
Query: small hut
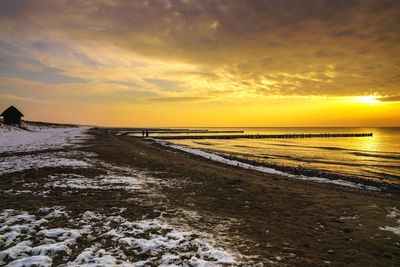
x=12 y=116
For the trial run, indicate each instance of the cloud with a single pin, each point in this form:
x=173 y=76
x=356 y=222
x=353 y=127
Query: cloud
x=26 y=99
x=246 y=48
x=177 y=99
x=166 y=85
x=390 y=99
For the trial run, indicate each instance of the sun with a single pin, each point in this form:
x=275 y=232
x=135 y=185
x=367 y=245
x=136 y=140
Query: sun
x=370 y=100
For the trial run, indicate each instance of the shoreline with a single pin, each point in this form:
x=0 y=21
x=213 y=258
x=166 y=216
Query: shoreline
x=286 y=171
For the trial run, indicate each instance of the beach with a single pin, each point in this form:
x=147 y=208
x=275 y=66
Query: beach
x=366 y=160
x=199 y=133
x=108 y=199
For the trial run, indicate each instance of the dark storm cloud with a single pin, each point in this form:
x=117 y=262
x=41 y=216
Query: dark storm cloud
x=297 y=47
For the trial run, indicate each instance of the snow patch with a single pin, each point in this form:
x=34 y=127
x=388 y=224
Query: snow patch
x=18 y=140
x=34 y=261
x=30 y=241
x=104 y=182
x=38 y=161
x=395 y=214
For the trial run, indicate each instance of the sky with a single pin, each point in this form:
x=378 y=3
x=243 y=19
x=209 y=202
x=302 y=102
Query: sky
x=202 y=63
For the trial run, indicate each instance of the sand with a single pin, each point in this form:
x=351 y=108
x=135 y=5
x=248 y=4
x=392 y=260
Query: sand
x=253 y=217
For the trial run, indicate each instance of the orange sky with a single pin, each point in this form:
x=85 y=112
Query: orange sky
x=202 y=63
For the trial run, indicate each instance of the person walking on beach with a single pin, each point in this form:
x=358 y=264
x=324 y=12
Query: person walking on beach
x=147 y=133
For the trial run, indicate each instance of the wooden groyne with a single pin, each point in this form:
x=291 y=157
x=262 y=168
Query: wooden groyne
x=265 y=136
x=186 y=132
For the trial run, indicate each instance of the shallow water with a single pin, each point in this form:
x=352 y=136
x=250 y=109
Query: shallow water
x=375 y=158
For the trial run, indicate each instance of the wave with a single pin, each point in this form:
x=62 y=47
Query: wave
x=375 y=155
x=316 y=147
x=367 y=153
x=375 y=163
x=383 y=175
x=203 y=143
x=243 y=146
x=297 y=159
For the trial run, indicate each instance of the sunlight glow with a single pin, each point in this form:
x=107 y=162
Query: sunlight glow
x=370 y=100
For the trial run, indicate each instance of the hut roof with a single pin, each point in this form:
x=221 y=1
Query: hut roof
x=11 y=111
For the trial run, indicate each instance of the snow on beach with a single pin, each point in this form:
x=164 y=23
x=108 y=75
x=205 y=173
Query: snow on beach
x=54 y=235
x=263 y=169
x=38 y=139
x=395 y=215
x=104 y=182
x=82 y=210
x=31 y=240
x=14 y=139
x=20 y=163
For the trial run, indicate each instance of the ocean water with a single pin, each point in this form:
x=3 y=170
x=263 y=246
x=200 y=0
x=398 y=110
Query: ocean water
x=373 y=159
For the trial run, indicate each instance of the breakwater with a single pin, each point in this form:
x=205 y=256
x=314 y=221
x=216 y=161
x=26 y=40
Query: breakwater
x=260 y=136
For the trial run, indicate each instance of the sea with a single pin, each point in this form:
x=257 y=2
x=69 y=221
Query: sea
x=373 y=159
